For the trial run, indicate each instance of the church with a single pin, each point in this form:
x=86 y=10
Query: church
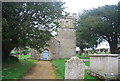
x=63 y=45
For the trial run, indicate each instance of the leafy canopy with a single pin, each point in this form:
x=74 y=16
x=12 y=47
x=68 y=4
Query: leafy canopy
x=100 y=24
x=28 y=23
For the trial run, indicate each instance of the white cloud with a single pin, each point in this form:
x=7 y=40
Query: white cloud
x=74 y=6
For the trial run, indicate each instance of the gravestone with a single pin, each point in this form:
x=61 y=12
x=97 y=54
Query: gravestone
x=105 y=66
x=74 y=68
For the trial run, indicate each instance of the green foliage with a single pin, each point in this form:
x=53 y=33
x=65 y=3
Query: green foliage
x=17 y=70
x=28 y=24
x=99 y=24
x=83 y=57
x=24 y=56
x=87 y=63
x=85 y=39
x=25 y=51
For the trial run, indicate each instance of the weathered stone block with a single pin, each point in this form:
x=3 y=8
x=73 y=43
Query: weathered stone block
x=105 y=65
x=74 y=68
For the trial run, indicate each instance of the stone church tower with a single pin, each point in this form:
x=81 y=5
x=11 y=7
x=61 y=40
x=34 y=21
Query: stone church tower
x=64 y=44
x=67 y=36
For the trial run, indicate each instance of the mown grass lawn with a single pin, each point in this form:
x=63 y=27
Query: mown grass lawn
x=82 y=57
x=60 y=64
x=17 y=70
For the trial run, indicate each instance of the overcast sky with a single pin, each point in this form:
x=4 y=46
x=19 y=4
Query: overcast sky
x=74 y=6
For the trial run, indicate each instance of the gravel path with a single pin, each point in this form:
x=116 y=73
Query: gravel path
x=42 y=70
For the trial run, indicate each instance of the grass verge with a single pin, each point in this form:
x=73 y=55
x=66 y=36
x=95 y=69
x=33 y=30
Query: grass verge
x=17 y=70
x=60 y=64
x=82 y=57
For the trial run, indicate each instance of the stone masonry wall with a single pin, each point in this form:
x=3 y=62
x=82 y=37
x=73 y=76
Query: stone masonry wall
x=67 y=37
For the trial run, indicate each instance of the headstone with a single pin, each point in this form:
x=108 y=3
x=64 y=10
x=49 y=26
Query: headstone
x=105 y=66
x=74 y=68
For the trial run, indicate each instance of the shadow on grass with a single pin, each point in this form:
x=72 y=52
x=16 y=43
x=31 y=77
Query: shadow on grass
x=16 y=70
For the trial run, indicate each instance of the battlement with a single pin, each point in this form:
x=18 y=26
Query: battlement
x=68 y=21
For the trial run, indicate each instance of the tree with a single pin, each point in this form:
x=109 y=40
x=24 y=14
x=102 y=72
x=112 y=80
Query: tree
x=101 y=24
x=83 y=37
x=28 y=24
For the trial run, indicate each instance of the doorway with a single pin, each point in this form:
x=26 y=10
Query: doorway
x=45 y=54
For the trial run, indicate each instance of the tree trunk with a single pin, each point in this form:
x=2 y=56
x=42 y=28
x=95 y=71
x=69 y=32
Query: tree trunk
x=81 y=49
x=5 y=53
x=113 y=46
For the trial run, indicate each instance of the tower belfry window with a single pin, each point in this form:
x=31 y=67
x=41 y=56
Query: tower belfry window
x=66 y=21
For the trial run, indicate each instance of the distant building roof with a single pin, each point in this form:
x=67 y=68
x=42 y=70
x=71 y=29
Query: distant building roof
x=103 y=45
x=77 y=49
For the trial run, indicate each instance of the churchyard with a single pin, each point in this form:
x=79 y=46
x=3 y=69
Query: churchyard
x=39 y=41
x=60 y=64
x=15 y=72
x=80 y=66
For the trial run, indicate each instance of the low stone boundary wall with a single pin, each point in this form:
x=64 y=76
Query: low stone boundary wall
x=105 y=66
